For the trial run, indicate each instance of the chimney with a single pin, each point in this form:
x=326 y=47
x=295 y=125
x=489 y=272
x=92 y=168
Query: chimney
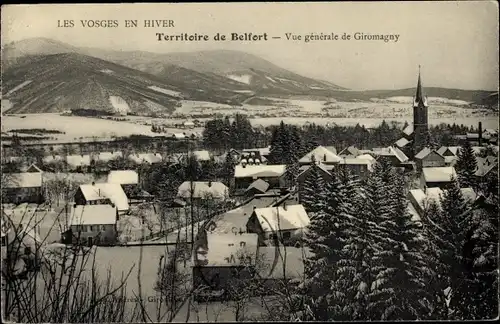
x=480 y=131
x=425 y=189
x=324 y=157
x=210 y=184
x=93 y=183
x=284 y=205
x=254 y=208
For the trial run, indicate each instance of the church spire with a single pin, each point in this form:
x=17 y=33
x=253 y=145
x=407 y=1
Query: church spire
x=419 y=96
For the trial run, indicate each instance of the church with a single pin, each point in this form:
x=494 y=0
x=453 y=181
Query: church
x=416 y=136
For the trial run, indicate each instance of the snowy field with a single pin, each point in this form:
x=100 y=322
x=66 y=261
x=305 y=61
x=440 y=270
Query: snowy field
x=293 y=111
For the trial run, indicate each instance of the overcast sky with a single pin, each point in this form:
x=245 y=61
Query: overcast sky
x=456 y=43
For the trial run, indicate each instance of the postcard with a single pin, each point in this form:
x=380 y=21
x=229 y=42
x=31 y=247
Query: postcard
x=287 y=161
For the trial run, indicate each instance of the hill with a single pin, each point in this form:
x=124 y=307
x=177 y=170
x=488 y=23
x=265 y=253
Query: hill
x=70 y=81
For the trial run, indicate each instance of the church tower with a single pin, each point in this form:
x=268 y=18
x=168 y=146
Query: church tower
x=420 y=118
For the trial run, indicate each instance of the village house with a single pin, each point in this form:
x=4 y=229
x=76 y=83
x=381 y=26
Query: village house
x=428 y=158
x=197 y=191
x=349 y=152
x=103 y=194
x=222 y=262
x=244 y=175
x=392 y=154
x=92 y=225
x=25 y=187
x=257 y=187
x=128 y=179
x=149 y=158
x=485 y=166
x=252 y=158
x=440 y=177
x=285 y=223
x=450 y=154
x=263 y=152
x=422 y=198
x=188 y=124
x=320 y=154
x=79 y=163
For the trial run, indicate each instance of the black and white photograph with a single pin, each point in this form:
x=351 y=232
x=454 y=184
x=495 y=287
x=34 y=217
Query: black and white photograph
x=250 y=162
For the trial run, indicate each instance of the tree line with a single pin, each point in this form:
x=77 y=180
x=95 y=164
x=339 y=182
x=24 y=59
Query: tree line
x=372 y=261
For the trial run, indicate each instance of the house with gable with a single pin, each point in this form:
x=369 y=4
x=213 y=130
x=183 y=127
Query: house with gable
x=440 y=177
x=222 y=261
x=320 y=154
x=245 y=175
x=24 y=187
x=92 y=225
x=103 y=194
x=428 y=158
x=285 y=224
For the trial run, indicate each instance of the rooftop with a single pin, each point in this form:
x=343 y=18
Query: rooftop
x=322 y=154
x=439 y=174
x=123 y=177
x=93 y=215
x=259 y=171
x=282 y=218
x=22 y=180
x=202 y=189
x=111 y=191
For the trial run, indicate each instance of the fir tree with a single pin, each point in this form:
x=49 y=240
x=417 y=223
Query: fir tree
x=466 y=166
x=400 y=269
x=313 y=197
x=325 y=238
x=450 y=231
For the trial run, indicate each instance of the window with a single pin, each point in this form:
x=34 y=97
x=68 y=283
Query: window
x=91 y=228
x=103 y=228
x=287 y=235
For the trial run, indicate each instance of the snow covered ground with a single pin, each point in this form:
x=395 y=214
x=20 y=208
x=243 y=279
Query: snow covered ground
x=166 y=91
x=245 y=78
x=25 y=83
x=119 y=105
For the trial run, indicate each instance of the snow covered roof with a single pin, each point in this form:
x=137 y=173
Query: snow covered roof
x=112 y=191
x=78 y=160
x=408 y=130
x=450 y=159
x=93 y=215
x=448 y=150
x=260 y=185
x=391 y=151
x=439 y=174
x=227 y=249
x=108 y=156
x=202 y=155
x=283 y=262
x=123 y=177
x=434 y=195
x=322 y=154
x=282 y=218
x=423 y=153
x=53 y=158
x=485 y=165
x=150 y=158
x=331 y=149
x=23 y=180
x=202 y=189
x=351 y=150
x=179 y=135
x=261 y=170
x=402 y=142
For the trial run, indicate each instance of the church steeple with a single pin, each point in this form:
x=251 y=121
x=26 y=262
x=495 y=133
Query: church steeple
x=419 y=96
x=420 y=118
